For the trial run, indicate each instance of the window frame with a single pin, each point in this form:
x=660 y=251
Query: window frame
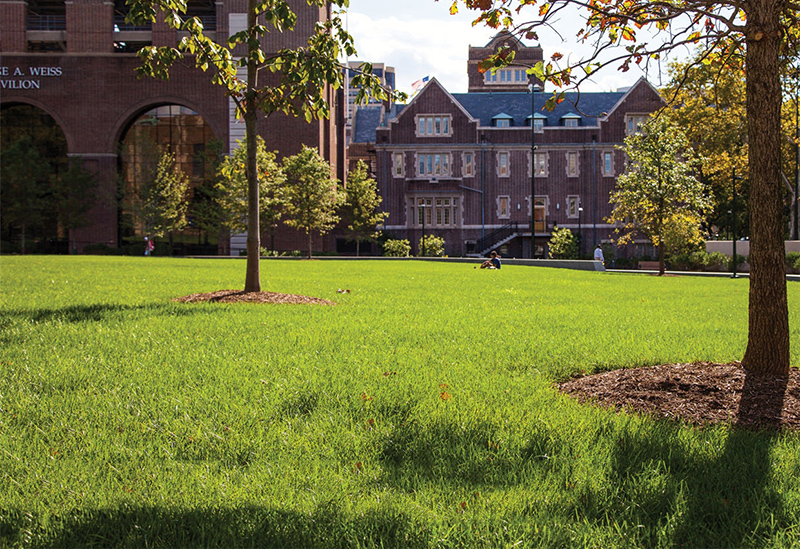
x=433 y=125
x=610 y=171
x=398 y=168
x=468 y=166
x=572 y=205
x=573 y=170
x=500 y=171
x=431 y=164
x=501 y=214
x=441 y=211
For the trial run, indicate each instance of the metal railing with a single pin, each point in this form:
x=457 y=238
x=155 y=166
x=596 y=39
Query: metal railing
x=496 y=236
x=121 y=25
x=47 y=22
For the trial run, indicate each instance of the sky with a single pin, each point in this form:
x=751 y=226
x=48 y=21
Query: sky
x=420 y=38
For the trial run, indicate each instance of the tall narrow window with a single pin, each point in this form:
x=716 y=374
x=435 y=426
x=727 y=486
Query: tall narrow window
x=608 y=163
x=503 y=207
x=467 y=164
x=572 y=164
x=503 y=168
x=540 y=164
x=398 y=168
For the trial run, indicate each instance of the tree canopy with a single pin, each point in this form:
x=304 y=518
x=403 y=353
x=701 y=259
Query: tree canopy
x=360 y=207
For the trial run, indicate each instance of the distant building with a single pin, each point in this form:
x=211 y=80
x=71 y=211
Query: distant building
x=385 y=74
x=458 y=165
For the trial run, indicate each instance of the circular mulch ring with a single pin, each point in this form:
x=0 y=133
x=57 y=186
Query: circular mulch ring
x=700 y=393
x=239 y=296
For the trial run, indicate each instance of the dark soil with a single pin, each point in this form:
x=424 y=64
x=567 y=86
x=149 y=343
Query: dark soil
x=238 y=296
x=700 y=393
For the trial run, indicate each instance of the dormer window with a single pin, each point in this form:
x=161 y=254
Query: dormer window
x=502 y=120
x=571 y=120
x=538 y=122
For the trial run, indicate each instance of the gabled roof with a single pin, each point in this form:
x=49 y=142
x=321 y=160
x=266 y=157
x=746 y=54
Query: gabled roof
x=502 y=116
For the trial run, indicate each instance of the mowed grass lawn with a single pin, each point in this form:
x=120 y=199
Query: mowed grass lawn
x=420 y=411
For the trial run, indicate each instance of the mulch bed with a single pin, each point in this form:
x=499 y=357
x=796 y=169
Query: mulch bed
x=700 y=393
x=238 y=296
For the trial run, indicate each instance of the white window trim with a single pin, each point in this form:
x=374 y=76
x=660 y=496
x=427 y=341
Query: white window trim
x=448 y=133
x=499 y=201
x=546 y=163
x=577 y=164
x=431 y=210
x=577 y=198
x=640 y=116
x=603 y=163
x=508 y=164
x=433 y=175
x=464 y=172
x=402 y=164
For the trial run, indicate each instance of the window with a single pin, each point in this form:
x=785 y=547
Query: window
x=506 y=76
x=468 y=164
x=573 y=205
x=434 y=211
x=571 y=122
x=608 y=163
x=503 y=164
x=502 y=123
x=433 y=164
x=572 y=164
x=503 y=207
x=433 y=125
x=398 y=169
x=540 y=164
x=633 y=123
x=538 y=125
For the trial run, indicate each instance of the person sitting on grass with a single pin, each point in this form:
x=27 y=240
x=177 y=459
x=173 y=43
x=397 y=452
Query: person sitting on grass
x=492 y=263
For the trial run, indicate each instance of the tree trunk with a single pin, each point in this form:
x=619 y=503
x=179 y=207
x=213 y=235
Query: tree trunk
x=309 y=244
x=252 y=281
x=358 y=247
x=768 y=331
x=23 y=239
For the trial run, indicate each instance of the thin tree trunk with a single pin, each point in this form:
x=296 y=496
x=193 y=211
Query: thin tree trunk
x=768 y=331
x=23 y=239
x=309 y=245
x=252 y=282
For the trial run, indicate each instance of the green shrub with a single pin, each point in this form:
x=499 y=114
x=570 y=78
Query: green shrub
x=797 y=264
x=563 y=244
x=432 y=245
x=101 y=249
x=793 y=260
x=397 y=248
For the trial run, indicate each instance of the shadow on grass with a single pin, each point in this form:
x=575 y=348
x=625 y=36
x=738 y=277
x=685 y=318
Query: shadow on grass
x=723 y=498
x=96 y=313
x=328 y=525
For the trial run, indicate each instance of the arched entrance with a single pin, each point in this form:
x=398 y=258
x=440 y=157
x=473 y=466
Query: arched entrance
x=178 y=130
x=43 y=194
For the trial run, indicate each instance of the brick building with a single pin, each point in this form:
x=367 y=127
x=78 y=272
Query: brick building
x=458 y=165
x=74 y=62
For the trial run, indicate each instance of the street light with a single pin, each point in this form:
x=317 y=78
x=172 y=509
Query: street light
x=533 y=88
x=580 y=235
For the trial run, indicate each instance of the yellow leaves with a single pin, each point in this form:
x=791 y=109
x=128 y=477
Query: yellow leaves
x=694 y=37
x=628 y=34
x=543 y=9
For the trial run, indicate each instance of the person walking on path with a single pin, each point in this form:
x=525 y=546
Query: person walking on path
x=598 y=254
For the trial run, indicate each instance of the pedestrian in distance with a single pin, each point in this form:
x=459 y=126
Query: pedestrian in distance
x=598 y=255
x=493 y=262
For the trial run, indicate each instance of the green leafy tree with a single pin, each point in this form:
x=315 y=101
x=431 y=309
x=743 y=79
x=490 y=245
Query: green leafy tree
x=232 y=189
x=709 y=105
x=362 y=201
x=303 y=75
x=158 y=198
x=25 y=193
x=310 y=196
x=657 y=195
x=563 y=244
x=757 y=31
x=74 y=193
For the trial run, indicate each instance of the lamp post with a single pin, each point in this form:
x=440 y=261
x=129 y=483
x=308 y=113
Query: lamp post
x=533 y=89
x=580 y=235
x=734 y=177
x=797 y=151
x=422 y=205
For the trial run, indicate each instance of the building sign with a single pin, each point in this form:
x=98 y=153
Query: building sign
x=15 y=78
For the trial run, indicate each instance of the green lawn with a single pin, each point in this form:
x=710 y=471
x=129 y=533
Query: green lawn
x=417 y=412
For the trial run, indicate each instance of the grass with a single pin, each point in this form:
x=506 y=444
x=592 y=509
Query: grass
x=418 y=412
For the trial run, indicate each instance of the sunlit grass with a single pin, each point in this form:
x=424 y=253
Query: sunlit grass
x=419 y=411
